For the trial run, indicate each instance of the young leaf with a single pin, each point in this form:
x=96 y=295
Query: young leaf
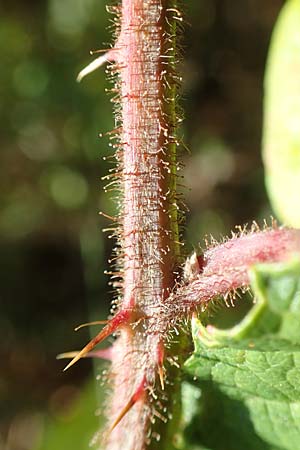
x=254 y=377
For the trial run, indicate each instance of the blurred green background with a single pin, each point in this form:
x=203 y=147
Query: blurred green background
x=53 y=252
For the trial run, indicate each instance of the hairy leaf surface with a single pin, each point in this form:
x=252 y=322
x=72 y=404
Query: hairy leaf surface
x=250 y=382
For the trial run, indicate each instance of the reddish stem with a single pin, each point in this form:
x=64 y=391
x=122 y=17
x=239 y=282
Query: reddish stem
x=148 y=245
x=148 y=236
x=225 y=268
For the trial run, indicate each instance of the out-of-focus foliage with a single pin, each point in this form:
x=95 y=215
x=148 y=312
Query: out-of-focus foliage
x=282 y=116
x=225 y=51
x=52 y=248
x=53 y=252
x=74 y=425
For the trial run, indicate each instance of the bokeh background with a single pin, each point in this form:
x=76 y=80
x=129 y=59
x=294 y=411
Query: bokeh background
x=53 y=252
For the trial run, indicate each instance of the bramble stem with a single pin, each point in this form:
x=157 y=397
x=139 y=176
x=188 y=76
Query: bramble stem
x=148 y=242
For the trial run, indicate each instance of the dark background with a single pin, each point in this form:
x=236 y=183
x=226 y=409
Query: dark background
x=53 y=252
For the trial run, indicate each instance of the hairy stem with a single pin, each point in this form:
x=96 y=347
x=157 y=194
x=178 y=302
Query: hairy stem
x=148 y=242
x=144 y=384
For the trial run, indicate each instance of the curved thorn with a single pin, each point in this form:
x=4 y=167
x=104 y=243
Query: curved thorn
x=121 y=318
x=134 y=398
x=95 y=322
x=67 y=355
x=122 y=414
x=98 y=62
x=105 y=353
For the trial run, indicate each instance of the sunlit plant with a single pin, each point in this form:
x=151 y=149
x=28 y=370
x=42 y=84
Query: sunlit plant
x=159 y=289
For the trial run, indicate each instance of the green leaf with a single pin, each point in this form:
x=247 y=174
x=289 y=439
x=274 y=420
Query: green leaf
x=251 y=374
x=281 y=135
